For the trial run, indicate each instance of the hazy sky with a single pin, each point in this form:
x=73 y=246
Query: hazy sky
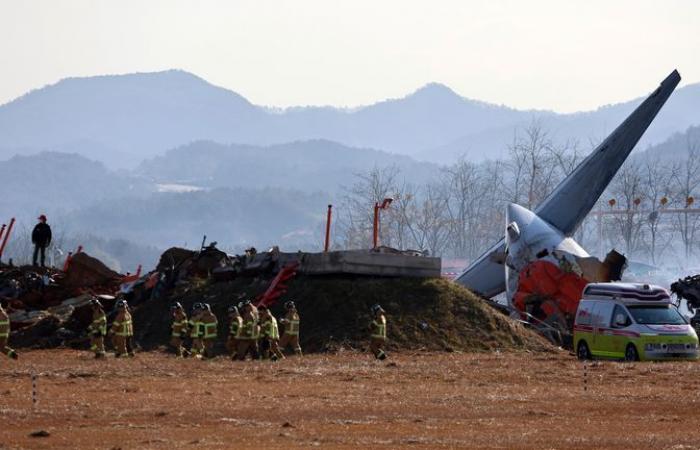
x=561 y=55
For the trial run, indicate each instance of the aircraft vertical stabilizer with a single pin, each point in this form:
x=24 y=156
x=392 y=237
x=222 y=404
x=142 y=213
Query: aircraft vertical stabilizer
x=567 y=206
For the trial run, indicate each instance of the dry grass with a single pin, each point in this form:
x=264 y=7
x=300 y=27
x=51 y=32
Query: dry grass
x=417 y=400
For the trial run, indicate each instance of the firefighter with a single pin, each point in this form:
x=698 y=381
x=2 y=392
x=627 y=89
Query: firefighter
x=248 y=341
x=290 y=337
x=97 y=330
x=209 y=325
x=270 y=334
x=179 y=329
x=255 y=348
x=122 y=330
x=378 y=332
x=5 y=334
x=197 y=330
x=235 y=330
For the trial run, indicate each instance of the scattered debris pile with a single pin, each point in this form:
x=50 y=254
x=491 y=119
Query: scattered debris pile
x=49 y=306
x=688 y=289
x=85 y=271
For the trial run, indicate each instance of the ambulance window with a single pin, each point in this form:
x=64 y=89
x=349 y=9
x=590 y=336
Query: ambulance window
x=584 y=313
x=619 y=310
x=603 y=314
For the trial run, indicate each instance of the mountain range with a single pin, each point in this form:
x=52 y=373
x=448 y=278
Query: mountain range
x=308 y=166
x=122 y=120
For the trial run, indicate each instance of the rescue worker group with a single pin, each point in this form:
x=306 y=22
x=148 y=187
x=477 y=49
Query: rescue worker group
x=253 y=331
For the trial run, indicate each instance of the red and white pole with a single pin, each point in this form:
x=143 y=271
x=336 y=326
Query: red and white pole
x=7 y=236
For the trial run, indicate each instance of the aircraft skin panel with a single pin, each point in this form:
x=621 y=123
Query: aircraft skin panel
x=484 y=276
x=571 y=201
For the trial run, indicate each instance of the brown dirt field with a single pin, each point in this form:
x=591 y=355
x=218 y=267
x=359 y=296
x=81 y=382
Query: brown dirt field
x=347 y=400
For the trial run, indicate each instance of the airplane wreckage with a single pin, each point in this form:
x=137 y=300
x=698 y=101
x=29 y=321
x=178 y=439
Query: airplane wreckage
x=542 y=270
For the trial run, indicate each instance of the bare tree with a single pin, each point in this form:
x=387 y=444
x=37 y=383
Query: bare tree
x=533 y=165
x=356 y=212
x=626 y=188
x=686 y=182
x=656 y=185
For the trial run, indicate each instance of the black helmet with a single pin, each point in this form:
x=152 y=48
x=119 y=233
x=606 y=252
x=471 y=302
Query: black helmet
x=121 y=304
x=290 y=305
x=206 y=306
x=95 y=303
x=376 y=308
x=175 y=306
x=197 y=306
x=233 y=310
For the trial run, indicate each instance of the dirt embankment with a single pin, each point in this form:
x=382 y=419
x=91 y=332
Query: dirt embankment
x=431 y=314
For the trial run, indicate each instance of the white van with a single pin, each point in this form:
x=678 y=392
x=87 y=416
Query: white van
x=632 y=322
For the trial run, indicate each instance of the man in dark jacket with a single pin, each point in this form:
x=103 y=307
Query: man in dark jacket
x=41 y=238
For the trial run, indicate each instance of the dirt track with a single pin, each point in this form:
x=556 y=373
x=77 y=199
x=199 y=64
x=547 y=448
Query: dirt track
x=426 y=400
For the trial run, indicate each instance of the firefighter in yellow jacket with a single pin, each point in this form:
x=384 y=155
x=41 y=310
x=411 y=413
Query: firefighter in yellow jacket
x=270 y=333
x=290 y=337
x=248 y=340
x=210 y=325
x=5 y=334
x=97 y=330
x=197 y=330
x=235 y=330
x=377 y=329
x=179 y=329
x=122 y=330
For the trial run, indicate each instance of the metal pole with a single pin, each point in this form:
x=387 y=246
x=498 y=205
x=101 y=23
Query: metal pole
x=375 y=234
x=7 y=236
x=328 y=228
x=66 y=263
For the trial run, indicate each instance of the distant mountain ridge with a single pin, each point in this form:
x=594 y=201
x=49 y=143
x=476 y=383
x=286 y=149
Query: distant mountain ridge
x=122 y=120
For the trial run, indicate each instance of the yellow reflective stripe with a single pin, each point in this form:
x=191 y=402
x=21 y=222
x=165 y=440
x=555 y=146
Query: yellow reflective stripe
x=209 y=330
x=5 y=322
x=4 y=334
x=293 y=328
x=379 y=330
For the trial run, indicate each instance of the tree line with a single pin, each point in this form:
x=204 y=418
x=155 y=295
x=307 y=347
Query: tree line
x=646 y=213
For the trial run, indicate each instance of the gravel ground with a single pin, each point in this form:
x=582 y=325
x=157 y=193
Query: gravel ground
x=347 y=400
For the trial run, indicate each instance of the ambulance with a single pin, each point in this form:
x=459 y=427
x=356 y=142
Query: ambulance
x=632 y=322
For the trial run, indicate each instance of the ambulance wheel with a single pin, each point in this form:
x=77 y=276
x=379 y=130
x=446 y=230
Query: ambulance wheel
x=582 y=351
x=631 y=353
